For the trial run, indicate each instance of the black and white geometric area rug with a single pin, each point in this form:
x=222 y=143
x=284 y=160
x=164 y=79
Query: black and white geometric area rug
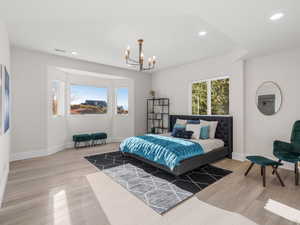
x=158 y=189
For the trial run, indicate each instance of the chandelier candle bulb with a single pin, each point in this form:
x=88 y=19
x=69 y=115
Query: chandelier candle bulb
x=139 y=62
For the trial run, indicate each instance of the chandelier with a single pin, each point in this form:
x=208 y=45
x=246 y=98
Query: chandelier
x=140 y=61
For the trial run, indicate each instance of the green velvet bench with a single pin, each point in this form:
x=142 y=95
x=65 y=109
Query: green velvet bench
x=264 y=162
x=79 y=138
x=98 y=138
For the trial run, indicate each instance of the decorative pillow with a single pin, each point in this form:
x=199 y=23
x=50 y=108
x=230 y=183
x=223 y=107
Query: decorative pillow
x=193 y=121
x=212 y=127
x=184 y=134
x=181 y=122
x=195 y=128
x=204 y=133
x=176 y=128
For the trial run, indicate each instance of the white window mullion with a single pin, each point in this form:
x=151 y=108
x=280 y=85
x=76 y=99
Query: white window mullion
x=209 y=97
x=61 y=98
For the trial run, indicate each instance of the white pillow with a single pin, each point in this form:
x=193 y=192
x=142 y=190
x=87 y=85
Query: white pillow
x=196 y=128
x=212 y=127
x=181 y=122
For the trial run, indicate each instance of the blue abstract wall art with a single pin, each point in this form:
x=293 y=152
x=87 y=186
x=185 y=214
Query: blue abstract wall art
x=6 y=101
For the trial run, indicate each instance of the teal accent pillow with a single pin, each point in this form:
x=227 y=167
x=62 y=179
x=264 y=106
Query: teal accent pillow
x=177 y=127
x=204 y=133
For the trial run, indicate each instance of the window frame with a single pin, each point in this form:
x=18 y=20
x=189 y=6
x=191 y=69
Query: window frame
x=86 y=115
x=61 y=94
x=116 y=101
x=208 y=83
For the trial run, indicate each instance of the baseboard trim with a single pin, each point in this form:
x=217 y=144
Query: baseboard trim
x=288 y=166
x=38 y=153
x=27 y=155
x=57 y=148
x=238 y=156
x=117 y=139
x=50 y=150
x=3 y=183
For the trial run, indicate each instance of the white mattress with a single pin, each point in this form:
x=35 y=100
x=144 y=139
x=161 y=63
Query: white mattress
x=207 y=144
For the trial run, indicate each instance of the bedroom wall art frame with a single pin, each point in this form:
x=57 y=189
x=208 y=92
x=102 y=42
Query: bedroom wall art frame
x=6 y=102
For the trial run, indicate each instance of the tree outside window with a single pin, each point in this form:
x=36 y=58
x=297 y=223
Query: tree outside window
x=210 y=97
x=199 y=98
x=220 y=97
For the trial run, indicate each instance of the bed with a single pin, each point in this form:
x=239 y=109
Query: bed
x=212 y=150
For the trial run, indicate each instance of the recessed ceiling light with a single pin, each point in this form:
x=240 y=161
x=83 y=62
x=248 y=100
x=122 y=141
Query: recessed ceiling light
x=74 y=53
x=60 y=50
x=202 y=33
x=276 y=16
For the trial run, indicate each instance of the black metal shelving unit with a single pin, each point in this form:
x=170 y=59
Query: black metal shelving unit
x=158 y=110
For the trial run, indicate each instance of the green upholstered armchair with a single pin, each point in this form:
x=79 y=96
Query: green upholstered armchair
x=290 y=152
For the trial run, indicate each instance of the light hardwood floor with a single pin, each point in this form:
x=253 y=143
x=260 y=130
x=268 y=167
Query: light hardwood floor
x=54 y=190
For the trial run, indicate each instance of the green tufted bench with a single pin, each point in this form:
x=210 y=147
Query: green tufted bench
x=264 y=162
x=86 y=138
x=98 y=138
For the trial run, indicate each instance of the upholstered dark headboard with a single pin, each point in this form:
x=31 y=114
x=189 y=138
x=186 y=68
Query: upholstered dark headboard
x=224 y=129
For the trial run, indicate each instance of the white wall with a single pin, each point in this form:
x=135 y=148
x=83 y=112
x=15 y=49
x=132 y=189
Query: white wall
x=284 y=69
x=4 y=139
x=30 y=133
x=254 y=132
x=175 y=84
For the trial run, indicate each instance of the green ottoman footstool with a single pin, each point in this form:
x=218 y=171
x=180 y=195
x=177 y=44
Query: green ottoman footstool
x=264 y=162
x=86 y=138
x=98 y=138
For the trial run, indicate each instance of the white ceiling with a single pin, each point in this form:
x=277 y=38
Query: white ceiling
x=101 y=30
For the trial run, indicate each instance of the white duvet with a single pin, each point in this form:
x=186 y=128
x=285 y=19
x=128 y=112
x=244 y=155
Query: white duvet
x=207 y=144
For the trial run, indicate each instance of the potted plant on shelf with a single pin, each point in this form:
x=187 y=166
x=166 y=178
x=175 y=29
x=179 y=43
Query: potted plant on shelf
x=152 y=94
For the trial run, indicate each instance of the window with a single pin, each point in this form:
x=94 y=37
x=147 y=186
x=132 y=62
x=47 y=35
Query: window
x=88 y=100
x=57 y=98
x=122 y=100
x=220 y=97
x=211 y=97
x=199 y=98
